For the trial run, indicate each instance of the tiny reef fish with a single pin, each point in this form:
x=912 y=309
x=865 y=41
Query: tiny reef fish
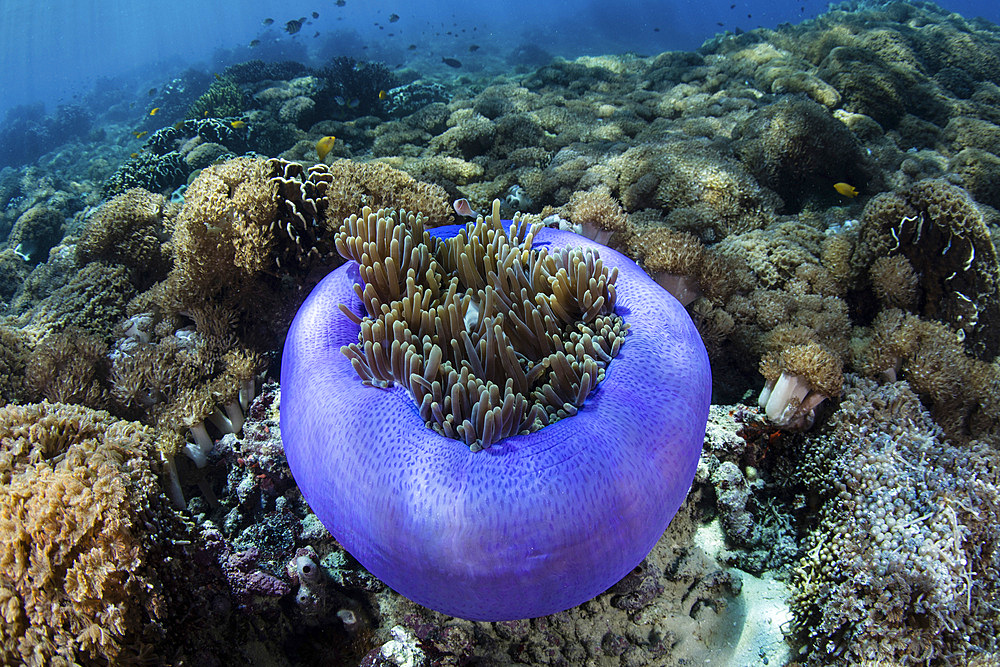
x=153 y=111
x=238 y=124
x=846 y=190
x=324 y=146
x=294 y=26
x=451 y=62
x=140 y=135
x=393 y=18
x=267 y=21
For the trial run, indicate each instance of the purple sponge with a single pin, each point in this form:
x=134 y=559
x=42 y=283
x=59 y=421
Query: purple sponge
x=534 y=524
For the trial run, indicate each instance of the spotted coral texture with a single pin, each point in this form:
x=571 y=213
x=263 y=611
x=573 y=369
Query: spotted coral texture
x=901 y=568
x=76 y=490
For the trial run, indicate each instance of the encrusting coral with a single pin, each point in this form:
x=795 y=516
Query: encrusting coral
x=901 y=567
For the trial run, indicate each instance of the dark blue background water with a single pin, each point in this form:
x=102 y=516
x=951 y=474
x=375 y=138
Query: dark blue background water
x=56 y=49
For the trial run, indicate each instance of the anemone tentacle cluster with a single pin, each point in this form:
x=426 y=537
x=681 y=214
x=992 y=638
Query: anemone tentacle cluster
x=492 y=337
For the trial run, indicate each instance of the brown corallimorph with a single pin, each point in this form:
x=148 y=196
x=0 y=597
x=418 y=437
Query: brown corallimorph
x=673 y=259
x=931 y=357
x=35 y=232
x=14 y=352
x=68 y=367
x=227 y=213
x=686 y=173
x=598 y=213
x=799 y=150
x=357 y=184
x=799 y=378
x=94 y=300
x=785 y=255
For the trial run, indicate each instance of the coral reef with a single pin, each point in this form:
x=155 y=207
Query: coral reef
x=821 y=198
x=545 y=327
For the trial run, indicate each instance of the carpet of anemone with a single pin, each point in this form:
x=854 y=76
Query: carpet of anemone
x=490 y=336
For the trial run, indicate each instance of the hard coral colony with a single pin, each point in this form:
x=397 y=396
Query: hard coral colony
x=579 y=438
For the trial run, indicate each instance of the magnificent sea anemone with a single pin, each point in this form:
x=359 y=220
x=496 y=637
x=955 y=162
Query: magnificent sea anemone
x=498 y=426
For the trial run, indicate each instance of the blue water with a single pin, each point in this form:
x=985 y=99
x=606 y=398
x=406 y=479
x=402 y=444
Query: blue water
x=55 y=51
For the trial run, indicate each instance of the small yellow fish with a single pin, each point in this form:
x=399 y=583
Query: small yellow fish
x=382 y=94
x=178 y=125
x=152 y=112
x=140 y=135
x=846 y=190
x=324 y=146
x=134 y=155
x=204 y=115
x=217 y=77
x=237 y=124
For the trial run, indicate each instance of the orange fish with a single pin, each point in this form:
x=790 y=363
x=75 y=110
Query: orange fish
x=238 y=124
x=140 y=135
x=382 y=94
x=152 y=112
